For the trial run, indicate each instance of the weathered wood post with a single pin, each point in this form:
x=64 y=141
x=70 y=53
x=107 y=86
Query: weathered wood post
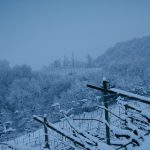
x=46 y=132
x=106 y=110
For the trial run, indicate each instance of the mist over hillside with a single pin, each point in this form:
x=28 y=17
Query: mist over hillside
x=128 y=63
x=24 y=92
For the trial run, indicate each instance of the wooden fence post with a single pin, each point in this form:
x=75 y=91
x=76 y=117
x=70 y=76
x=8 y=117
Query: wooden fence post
x=46 y=132
x=106 y=110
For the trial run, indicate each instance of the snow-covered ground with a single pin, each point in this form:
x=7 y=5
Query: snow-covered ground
x=145 y=145
x=35 y=140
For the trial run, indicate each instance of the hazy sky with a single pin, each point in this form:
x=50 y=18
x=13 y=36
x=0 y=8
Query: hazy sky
x=36 y=32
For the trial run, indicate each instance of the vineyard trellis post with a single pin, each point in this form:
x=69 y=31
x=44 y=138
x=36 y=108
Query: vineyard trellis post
x=46 y=132
x=106 y=110
x=105 y=100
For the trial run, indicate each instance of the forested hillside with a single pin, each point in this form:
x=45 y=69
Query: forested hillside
x=127 y=63
x=24 y=92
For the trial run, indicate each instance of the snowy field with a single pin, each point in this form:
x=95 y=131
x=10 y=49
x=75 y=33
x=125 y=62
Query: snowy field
x=92 y=125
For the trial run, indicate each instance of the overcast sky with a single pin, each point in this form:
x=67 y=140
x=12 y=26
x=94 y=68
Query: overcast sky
x=36 y=32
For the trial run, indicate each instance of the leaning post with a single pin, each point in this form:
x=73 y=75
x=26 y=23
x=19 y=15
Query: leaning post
x=46 y=132
x=106 y=110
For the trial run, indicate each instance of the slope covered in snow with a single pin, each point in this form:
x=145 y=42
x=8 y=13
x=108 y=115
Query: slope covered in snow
x=127 y=63
x=145 y=145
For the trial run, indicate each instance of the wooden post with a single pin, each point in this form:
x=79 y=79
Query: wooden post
x=106 y=110
x=46 y=133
